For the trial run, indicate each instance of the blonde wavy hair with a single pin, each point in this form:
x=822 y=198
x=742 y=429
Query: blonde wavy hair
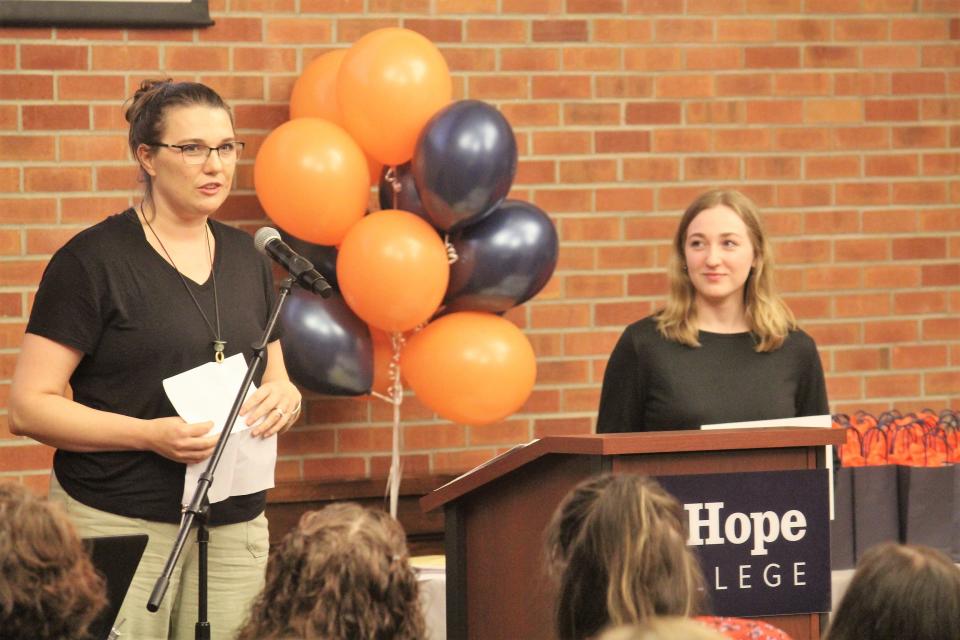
x=617 y=545
x=343 y=573
x=769 y=318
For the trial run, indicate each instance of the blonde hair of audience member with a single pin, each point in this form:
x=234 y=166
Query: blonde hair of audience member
x=618 y=545
x=667 y=628
x=49 y=589
x=900 y=591
x=769 y=317
x=343 y=573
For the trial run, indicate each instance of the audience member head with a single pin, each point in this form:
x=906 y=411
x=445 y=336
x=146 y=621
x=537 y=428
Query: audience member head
x=769 y=317
x=343 y=573
x=49 y=589
x=668 y=628
x=900 y=591
x=618 y=547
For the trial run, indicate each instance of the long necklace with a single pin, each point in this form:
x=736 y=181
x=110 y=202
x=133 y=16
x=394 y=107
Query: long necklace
x=218 y=344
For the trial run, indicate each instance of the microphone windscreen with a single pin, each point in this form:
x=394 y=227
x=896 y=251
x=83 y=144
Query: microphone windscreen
x=263 y=236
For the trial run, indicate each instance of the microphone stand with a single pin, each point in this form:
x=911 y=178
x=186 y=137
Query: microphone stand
x=199 y=505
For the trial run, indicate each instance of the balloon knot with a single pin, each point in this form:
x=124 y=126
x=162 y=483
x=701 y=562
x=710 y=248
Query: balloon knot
x=451 y=250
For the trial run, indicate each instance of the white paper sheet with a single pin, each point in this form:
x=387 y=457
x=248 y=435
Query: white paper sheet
x=815 y=422
x=206 y=393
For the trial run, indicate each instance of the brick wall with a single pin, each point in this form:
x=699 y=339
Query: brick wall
x=841 y=118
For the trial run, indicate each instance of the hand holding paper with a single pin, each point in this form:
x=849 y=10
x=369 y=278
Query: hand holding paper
x=207 y=393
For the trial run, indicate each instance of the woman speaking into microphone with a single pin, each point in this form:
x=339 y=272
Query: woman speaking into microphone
x=146 y=294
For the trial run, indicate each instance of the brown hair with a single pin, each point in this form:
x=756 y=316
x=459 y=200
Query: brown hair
x=621 y=536
x=48 y=586
x=148 y=109
x=900 y=591
x=769 y=317
x=343 y=573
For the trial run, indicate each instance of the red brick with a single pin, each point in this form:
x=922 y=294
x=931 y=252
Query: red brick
x=833 y=111
x=941 y=382
x=774 y=111
x=914 y=83
x=712 y=168
x=845 y=387
x=860 y=83
x=918 y=248
x=591 y=59
x=742 y=139
x=820 y=56
x=941 y=164
x=26 y=147
x=713 y=58
x=23 y=86
x=37 y=179
x=127 y=58
x=919 y=28
x=940 y=275
x=44 y=242
x=745 y=30
x=624 y=199
x=861 y=138
x=919 y=192
x=890 y=56
x=919 y=302
x=561 y=87
x=622 y=30
x=772 y=167
x=861 y=359
x=715 y=112
x=772 y=57
x=861 y=29
x=860 y=193
x=804 y=195
x=942 y=329
x=919 y=356
x=892 y=385
x=920 y=136
x=802 y=251
x=562 y=427
x=831 y=167
x=892 y=110
x=810 y=307
x=591 y=114
x=620 y=87
x=587 y=171
x=56 y=117
x=746 y=84
x=653 y=169
x=687 y=86
x=887 y=277
x=562 y=200
x=479 y=30
x=530 y=59
x=834 y=333
x=890 y=331
x=338 y=468
x=532 y=114
x=894 y=221
x=497 y=87
x=683 y=140
x=54 y=57
x=560 y=31
x=862 y=250
x=687 y=30
x=653 y=113
x=622 y=141
x=648 y=59
x=827 y=278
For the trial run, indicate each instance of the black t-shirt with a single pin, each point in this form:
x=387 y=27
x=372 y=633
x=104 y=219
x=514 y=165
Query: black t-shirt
x=655 y=384
x=109 y=294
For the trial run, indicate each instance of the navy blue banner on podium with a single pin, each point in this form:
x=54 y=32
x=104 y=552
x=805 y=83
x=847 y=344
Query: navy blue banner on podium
x=763 y=539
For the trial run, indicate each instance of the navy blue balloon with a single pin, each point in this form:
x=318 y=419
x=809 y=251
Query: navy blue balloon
x=503 y=260
x=323 y=257
x=326 y=347
x=464 y=163
x=408 y=199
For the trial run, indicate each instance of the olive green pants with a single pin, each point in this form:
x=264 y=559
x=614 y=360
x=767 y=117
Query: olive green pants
x=236 y=565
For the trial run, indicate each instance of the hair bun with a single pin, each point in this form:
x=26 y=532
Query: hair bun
x=147 y=90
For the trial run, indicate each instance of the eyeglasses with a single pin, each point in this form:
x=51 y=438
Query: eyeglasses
x=194 y=153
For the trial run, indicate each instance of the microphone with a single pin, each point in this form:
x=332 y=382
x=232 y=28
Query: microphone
x=268 y=241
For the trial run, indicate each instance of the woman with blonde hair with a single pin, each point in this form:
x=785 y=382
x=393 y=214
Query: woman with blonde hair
x=343 y=573
x=616 y=547
x=725 y=347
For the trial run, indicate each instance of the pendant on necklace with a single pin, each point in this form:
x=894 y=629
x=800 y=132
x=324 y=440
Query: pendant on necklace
x=218 y=346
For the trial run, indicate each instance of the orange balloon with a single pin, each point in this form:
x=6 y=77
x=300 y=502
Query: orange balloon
x=314 y=93
x=392 y=269
x=470 y=367
x=312 y=180
x=390 y=83
x=315 y=96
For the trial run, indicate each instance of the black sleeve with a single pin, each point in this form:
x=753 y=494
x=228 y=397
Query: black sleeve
x=67 y=305
x=812 y=391
x=621 y=400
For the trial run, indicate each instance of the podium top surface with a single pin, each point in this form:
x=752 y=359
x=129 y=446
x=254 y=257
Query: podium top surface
x=614 y=444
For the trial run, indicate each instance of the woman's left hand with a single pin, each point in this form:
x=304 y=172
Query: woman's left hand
x=277 y=402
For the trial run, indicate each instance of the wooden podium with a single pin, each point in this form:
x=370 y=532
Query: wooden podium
x=496 y=514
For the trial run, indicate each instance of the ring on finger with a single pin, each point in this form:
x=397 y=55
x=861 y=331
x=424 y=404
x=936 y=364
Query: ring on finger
x=280 y=411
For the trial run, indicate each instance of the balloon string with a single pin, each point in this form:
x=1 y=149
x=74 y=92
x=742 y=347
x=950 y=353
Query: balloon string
x=395 y=392
x=391 y=177
x=451 y=250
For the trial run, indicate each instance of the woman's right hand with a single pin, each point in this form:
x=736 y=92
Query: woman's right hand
x=181 y=442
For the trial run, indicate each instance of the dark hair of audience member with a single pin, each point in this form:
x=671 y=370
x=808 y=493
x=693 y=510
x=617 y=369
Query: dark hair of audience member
x=900 y=591
x=343 y=573
x=49 y=589
x=618 y=547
